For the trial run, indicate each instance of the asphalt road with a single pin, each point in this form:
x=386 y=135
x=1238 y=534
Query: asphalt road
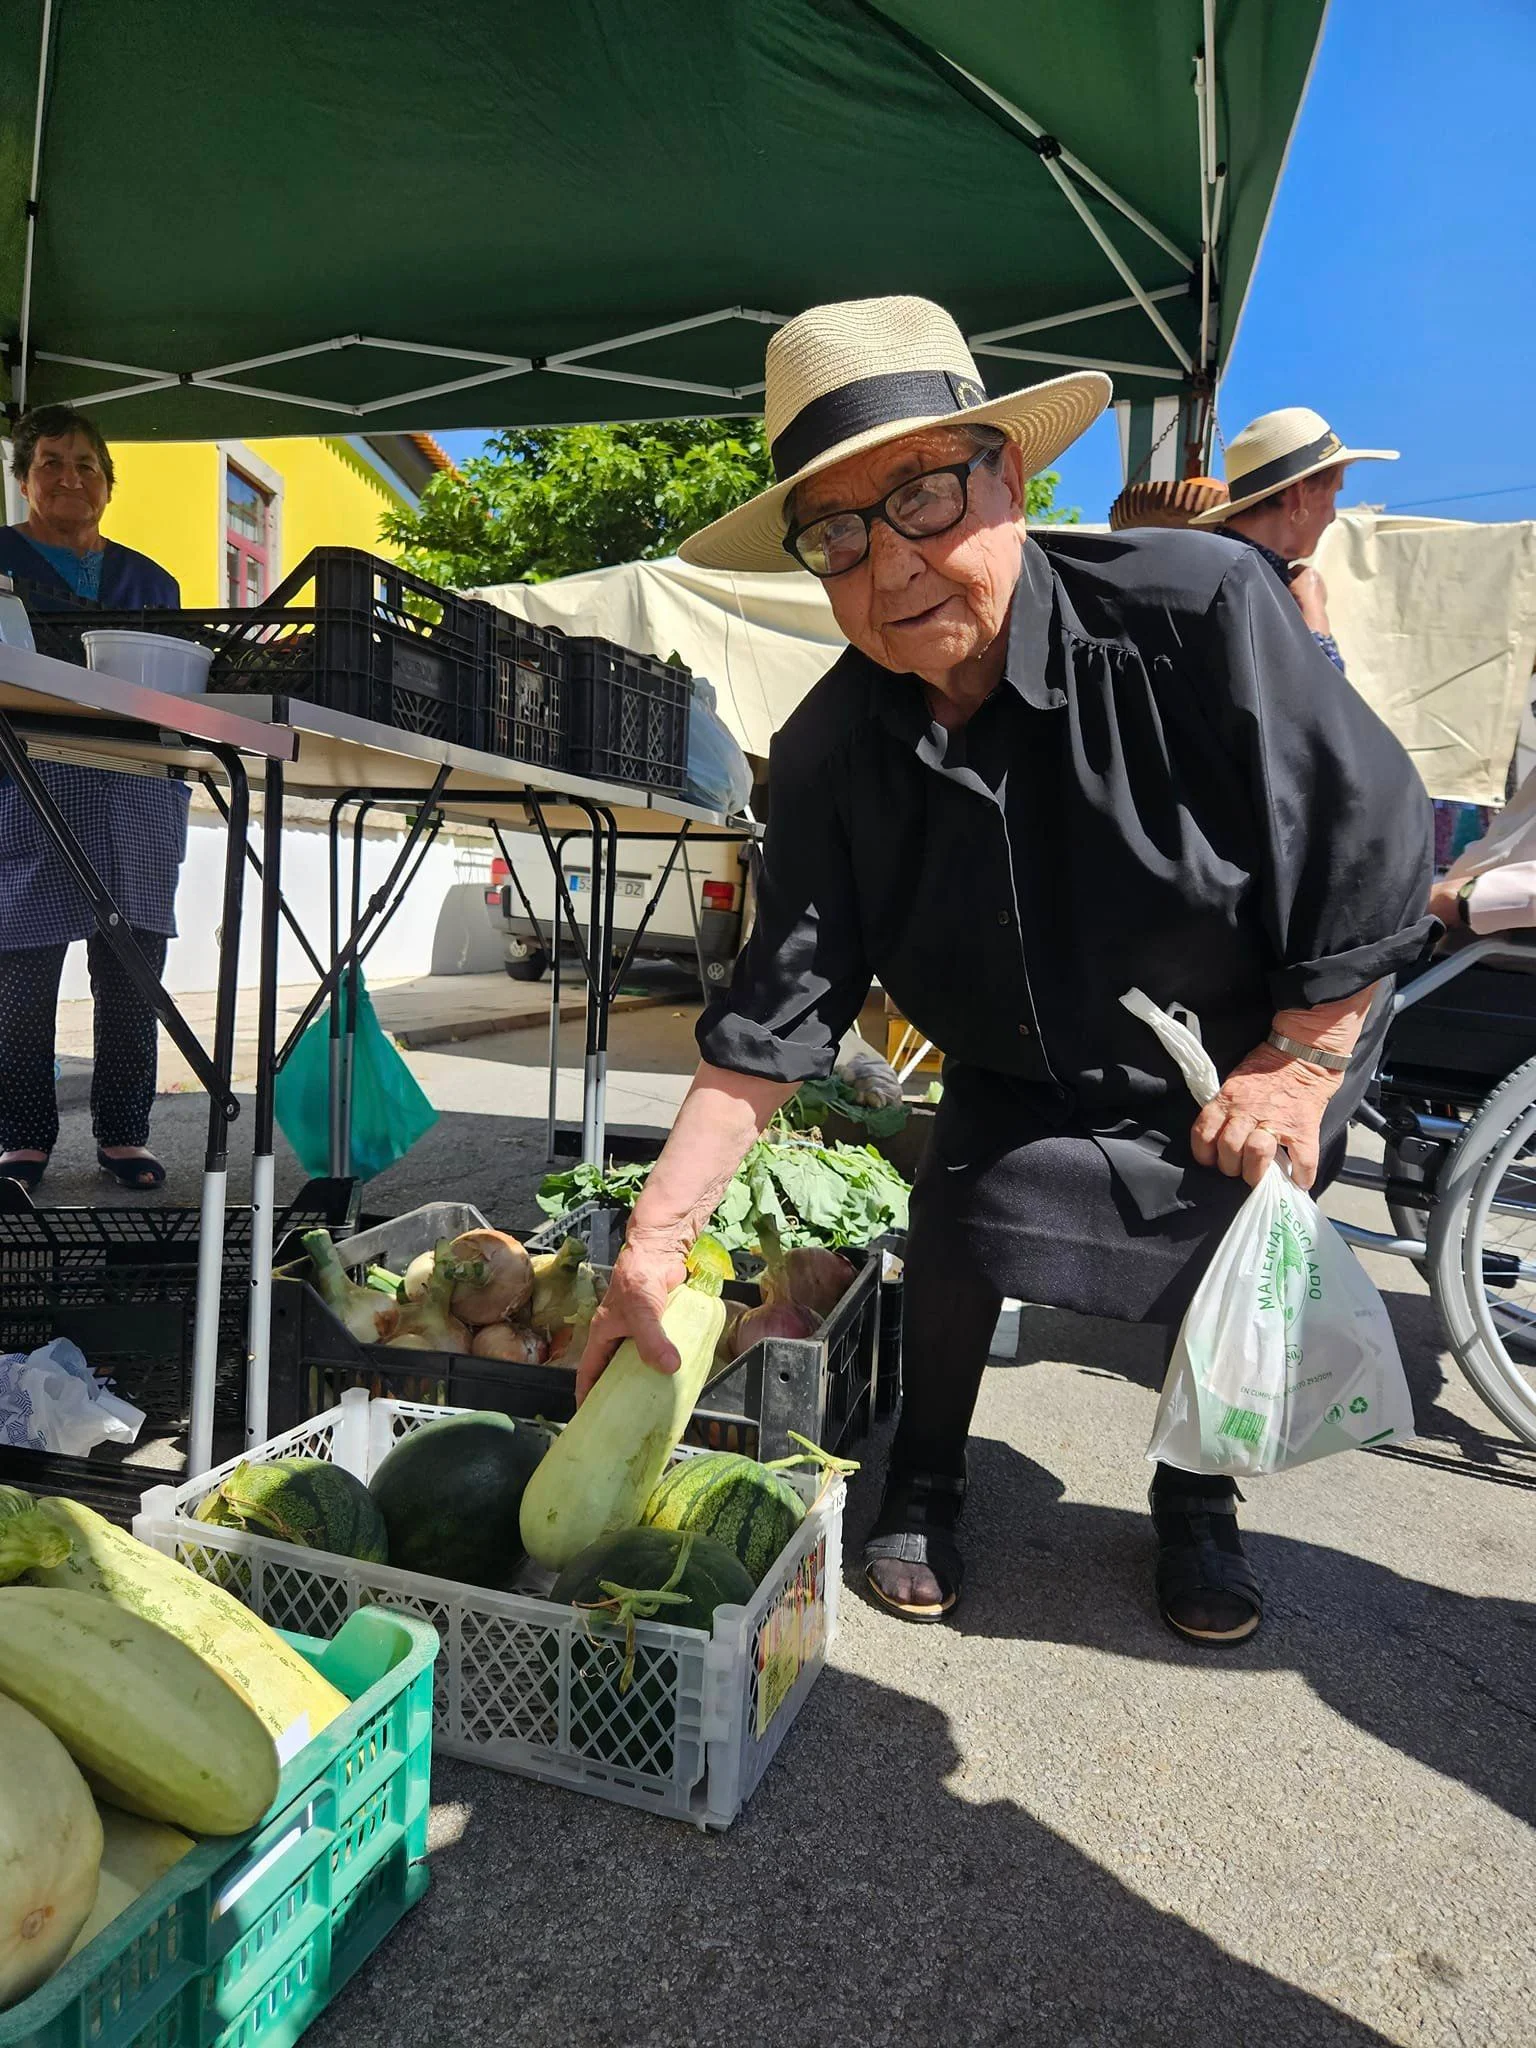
x=1050 y=1822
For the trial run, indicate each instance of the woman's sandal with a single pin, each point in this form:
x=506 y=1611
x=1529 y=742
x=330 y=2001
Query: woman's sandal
x=27 y=1171
x=915 y=1526
x=1200 y=1556
x=141 y=1174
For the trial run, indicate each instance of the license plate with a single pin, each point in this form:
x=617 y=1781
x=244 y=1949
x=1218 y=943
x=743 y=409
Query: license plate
x=631 y=887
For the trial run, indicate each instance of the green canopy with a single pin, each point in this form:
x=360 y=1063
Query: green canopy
x=283 y=217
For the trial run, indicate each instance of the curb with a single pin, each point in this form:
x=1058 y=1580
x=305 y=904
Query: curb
x=419 y=1037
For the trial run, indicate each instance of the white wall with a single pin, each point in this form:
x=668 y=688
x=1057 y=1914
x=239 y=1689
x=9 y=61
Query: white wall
x=405 y=949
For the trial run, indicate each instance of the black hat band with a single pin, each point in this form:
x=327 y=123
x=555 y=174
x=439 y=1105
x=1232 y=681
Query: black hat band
x=869 y=402
x=1274 y=476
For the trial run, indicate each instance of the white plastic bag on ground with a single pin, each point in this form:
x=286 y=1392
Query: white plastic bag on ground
x=1286 y=1352
x=50 y=1400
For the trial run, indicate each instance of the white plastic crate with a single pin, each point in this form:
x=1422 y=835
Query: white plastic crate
x=523 y=1684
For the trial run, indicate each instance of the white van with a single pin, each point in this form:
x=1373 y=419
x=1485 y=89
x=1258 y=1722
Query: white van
x=697 y=922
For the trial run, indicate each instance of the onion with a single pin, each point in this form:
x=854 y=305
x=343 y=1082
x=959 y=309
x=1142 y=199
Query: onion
x=773 y=1319
x=429 y=1324
x=418 y=1277
x=369 y=1316
x=512 y=1342
x=818 y=1280
x=499 y=1280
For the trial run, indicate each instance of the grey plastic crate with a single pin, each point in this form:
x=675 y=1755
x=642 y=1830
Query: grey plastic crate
x=820 y=1387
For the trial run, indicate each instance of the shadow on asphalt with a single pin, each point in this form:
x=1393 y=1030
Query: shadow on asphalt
x=870 y=1903
x=1441 y=1676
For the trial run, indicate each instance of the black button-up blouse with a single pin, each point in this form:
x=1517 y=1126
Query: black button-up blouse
x=1171 y=789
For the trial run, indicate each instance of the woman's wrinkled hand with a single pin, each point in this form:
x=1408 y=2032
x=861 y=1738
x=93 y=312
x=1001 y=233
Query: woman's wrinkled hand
x=645 y=1275
x=1268 y=1100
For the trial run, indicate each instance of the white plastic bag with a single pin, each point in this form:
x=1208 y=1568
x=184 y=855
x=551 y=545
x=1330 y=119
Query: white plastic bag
x=1286 y=1352
x=50 y=1400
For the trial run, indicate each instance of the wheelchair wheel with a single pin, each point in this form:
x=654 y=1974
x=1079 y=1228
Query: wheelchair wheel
x=1482 y=1252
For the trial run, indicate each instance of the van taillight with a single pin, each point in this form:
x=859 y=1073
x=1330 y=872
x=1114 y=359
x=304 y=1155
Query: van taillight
x=719 y=895
x=500 y=872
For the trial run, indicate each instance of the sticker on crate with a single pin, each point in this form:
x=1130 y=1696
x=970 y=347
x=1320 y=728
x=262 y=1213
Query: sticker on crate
x=793 y=1635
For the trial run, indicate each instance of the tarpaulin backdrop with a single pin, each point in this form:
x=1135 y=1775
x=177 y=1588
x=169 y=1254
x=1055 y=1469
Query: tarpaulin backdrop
x=1436 y=619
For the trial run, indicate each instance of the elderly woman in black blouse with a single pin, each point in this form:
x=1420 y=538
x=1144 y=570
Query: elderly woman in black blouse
x=1047 y=768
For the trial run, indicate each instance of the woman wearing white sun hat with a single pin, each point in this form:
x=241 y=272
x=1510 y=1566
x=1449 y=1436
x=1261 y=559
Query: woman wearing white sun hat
x=1284 y=473
x=1047 y=768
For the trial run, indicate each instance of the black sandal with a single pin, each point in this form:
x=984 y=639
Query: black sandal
x=130 y=1173
x=916 y=1525
x=1200 y=1552
x=28 y=1172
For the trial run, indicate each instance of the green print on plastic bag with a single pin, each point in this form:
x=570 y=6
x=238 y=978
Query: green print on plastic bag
x=1290 y=1275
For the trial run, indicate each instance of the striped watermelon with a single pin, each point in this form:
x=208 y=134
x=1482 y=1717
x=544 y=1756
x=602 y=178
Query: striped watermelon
x=751 y=1509
x=308 y=1501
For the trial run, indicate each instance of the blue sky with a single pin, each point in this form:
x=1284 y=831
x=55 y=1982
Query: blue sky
x=1396 y=291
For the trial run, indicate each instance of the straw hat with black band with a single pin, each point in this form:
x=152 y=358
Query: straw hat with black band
x=845 y=378
x=1277 y=449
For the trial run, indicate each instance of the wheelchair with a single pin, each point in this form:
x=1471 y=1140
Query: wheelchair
x=1453 y=1101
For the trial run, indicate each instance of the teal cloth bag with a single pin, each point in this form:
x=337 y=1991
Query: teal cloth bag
x=389 y=1110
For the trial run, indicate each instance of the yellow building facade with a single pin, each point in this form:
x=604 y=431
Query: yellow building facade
x=230 y=519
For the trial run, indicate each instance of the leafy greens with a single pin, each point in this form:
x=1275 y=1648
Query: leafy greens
x=813 y=1194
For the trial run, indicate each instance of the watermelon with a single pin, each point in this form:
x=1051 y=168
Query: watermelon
x=451 y=1492
x=644 y=1562
x=623 y=1698
x=308 y=1501
x=751 y=1509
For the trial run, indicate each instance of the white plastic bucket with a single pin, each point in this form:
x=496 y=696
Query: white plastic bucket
x=156 y=660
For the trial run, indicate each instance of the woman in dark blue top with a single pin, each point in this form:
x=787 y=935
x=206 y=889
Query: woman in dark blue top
x=133 y=830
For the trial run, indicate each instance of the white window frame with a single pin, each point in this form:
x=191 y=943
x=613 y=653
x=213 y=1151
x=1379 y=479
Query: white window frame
x=236 y=455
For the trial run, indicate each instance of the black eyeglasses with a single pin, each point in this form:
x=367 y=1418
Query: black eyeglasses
x=917 y=509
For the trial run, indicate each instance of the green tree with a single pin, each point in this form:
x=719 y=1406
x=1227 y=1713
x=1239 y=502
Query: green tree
x=539 y=502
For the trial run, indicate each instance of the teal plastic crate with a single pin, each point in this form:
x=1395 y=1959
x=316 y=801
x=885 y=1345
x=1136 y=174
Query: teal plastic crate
x=251 y=1936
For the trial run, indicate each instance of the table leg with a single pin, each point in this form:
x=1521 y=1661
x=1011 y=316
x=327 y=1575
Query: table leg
x=333 y=1017
x=210 y=1250
x=597 y=982
x=604 y=990
x=263 y=1163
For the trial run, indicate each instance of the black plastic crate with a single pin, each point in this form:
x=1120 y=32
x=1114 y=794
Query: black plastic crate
x=102 y=1482
x=121 y=1283
x=821 y=1387
x=628 y=716
x=529 y=689
x=371 y=640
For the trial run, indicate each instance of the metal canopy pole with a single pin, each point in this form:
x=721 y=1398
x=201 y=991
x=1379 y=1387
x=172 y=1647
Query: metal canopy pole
x=594 y=962
x=210 y=1247
x=608 y=986
x=347 y=998
x=333 y=1015
x=258 y=1350
x=33 y=189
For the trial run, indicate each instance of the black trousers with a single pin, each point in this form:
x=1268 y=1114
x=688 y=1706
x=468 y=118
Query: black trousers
x=123 y=1082
x=949 y=1310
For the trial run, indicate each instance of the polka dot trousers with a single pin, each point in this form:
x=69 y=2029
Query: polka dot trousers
x=123 y=1082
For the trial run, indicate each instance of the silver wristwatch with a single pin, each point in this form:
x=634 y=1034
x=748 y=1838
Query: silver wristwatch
x=1314 y=1055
